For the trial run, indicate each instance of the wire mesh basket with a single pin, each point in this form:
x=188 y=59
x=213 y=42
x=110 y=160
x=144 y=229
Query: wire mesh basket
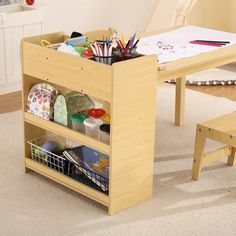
x=56 y=161
x=59 y=162
x=90 y=178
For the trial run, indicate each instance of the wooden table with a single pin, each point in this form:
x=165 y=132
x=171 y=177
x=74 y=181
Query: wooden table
x=181 y=68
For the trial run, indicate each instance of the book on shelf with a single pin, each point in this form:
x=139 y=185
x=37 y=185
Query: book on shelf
x=91 y=163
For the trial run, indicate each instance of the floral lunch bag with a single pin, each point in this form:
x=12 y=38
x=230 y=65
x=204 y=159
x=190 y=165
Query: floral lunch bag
x=41 y=100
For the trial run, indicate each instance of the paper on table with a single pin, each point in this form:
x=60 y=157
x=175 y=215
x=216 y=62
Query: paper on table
x=174 y=45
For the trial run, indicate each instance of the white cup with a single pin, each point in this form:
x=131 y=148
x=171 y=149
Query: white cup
x=92 y=127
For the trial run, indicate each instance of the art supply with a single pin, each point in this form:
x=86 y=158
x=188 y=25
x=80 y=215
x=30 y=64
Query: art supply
x=78 y=122
x=179 y=40
x=136 y=43
x=212 y=41
x=68 y=49
x=80 y=49
x=87 y=52
x=104 y=133
x=133 y=40
x=30 y=2
x=96 y=112
x=123 y=39
x=75 y=41
x=207 y=44
x=104 y=50
x=106 y=118
x=92 y=127
x=45 y=43
x=91 y=163
x=129 y=48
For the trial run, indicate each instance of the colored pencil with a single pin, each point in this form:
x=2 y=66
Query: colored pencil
x=208 y=44
x=136 y=43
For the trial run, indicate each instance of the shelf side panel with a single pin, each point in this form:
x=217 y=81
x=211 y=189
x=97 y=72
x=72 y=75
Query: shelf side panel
x=132 y=132
x=66 y=70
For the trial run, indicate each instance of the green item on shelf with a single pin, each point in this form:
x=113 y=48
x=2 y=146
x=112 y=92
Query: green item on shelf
x=72 y=103
x=80 y=49
x=79 y=118
x=60 y=111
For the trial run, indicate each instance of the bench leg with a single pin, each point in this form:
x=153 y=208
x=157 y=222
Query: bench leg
x=231 y=157
x=180 y=101
x=200 y=142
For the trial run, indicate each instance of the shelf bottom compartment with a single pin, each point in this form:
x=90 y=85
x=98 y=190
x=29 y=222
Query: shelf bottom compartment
x=76 y=184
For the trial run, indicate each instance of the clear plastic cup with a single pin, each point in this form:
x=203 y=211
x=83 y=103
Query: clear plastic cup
x=92 y=127
x=78 y=122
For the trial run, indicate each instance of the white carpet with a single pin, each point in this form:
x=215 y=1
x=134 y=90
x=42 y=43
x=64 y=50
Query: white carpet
x=31 y=205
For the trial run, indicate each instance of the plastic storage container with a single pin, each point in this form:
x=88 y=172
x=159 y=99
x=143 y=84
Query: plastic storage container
x=78 y=122
x=92 y=127
x=106 y=118
x=104 y=133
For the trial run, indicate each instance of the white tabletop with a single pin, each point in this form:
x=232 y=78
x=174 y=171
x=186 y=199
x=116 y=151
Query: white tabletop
x=174 y=45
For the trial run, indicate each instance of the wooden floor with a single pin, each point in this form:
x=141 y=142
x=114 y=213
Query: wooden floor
x=12 y=102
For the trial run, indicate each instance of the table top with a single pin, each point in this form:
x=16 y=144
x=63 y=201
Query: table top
x=208 y=57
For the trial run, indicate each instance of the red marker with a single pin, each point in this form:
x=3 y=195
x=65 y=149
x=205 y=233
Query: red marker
x=208 y=44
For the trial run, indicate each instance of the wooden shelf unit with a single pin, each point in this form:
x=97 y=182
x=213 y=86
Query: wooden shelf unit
x=129 y=89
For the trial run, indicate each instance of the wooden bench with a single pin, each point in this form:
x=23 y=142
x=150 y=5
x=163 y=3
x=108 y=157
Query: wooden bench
x=221 y=129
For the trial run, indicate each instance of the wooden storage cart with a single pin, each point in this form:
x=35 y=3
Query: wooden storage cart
x=128 y=89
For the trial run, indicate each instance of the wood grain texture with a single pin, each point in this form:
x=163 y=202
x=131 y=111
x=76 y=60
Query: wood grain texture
x=218 y=154
x=67 y=182
x=12 y=101
x=69 y=71
x=231 y=157
x=180 y=101
x=200 y=142
x=221 y=129
x=132 y=132
x=130 y=87
x=67 y=133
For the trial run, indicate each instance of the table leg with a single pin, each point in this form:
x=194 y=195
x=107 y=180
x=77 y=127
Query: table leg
x=180 y=101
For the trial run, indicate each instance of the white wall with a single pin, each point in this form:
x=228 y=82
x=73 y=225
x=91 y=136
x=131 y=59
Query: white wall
x=127 y=15
x=84 y=15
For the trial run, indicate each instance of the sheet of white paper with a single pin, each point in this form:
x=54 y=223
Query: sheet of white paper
x=175 y=44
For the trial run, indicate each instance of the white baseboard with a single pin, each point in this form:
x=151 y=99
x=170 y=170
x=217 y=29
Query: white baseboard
x=10 y=88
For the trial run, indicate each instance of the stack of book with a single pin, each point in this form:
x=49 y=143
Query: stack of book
x=91 y=163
